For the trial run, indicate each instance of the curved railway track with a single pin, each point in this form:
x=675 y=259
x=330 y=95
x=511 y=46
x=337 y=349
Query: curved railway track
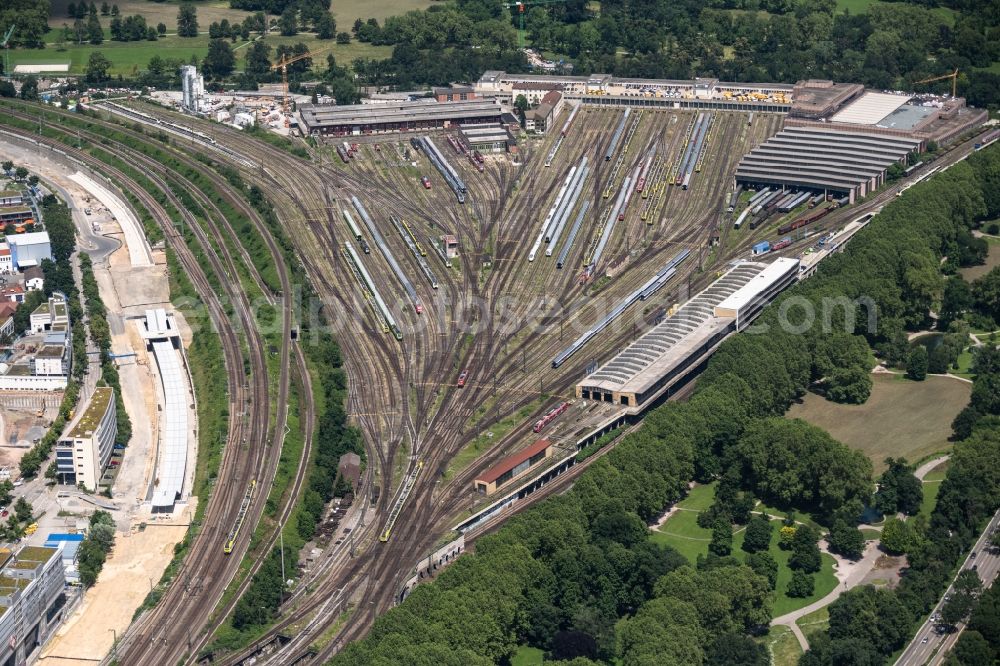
x=186 y=606
x=402 y=394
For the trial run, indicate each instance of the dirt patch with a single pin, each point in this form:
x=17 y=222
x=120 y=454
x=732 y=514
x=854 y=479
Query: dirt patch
x=135 y=564
x=885 y=572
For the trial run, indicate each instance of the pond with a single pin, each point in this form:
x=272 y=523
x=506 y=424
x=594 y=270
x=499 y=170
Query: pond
x=930 y=341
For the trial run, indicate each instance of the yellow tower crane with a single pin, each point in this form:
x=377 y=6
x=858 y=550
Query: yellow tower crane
x=953 y=76
x=283 y=64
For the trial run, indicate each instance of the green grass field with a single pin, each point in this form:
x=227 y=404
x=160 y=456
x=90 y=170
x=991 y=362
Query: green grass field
x=993 y=257
x=527 y=656
x=682 y=532
x=783 y=646
x=901 y=418
x=129 y=58
x=215 y=10
x=861 y=6
x=814 y=622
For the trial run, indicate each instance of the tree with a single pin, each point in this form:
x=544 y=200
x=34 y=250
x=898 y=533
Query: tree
x=896 y=537
x=95 y=33
x=916 y=364
x=256 y=62
x=326 y=26
x=846 y=540
x=521 y=106
x=288 y=23
x=728 y=649
x=801 y=585
x=850 y=386
x=103 y=535
x=23 y=510
x=21 y=173
x=105 y=9
x=343 y=38
x=161 y=28
x=805 y=550
x=899 y=490
x=964 y=422
x=764 y=565
x=220 y=61
x=973 y=650
x=187 y=20
x=114 y=10
x=97 y=68
x=757 y=536
x=29 y=89
x=722 y=539
x=7 y=89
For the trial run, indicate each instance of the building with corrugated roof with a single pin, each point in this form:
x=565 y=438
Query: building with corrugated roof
x=662 y=358
x=361 y=119
x=851 y=163
x=513 y=468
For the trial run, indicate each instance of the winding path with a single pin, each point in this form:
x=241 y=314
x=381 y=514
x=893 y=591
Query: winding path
x=849 y=573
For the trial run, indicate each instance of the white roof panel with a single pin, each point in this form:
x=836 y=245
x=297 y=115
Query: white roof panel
x=869 y=108
x=758 y=284
x=172 y=461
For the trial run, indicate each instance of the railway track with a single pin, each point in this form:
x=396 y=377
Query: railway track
x=186 y=606
x=433 y=419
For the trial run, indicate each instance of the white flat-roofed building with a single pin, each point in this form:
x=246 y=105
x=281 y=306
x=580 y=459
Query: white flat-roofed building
x=746 y=302
x=29 y=249
x=661 y=358
x=163 y=339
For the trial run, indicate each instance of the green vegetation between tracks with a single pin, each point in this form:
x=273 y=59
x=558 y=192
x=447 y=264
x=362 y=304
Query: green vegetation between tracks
x=548 y=575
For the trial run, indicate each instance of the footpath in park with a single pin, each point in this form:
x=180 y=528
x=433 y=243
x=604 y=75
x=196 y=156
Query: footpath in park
x=849 y=573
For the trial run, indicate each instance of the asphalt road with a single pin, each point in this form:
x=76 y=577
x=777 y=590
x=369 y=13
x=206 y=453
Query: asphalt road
x=929 y=647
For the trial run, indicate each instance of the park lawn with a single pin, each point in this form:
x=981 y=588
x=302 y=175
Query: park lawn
x=129 y=58
x=345 y=12
x=931 y=489
x=527 y=656
x=971 y=273
x=783 y=646
x=901 y=418
x=156 y=12
x=815 y=622
x=825 y=580
x=854 y=6
x=699 y=498
x=683 y=533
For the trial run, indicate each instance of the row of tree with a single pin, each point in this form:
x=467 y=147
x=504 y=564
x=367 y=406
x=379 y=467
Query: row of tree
x=867 y=625
x=538 y=568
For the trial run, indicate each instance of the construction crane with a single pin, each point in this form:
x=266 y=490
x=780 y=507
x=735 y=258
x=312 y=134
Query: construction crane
x=521 y=4
x=6 y=50
x=283 y=64
x=954 y=80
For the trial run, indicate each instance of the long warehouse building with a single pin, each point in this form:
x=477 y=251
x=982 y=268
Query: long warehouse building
x=663 y=357
x=851 y=163
x=359 y=119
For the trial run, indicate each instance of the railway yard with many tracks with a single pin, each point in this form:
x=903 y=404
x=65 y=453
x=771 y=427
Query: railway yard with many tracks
x=498 y=315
